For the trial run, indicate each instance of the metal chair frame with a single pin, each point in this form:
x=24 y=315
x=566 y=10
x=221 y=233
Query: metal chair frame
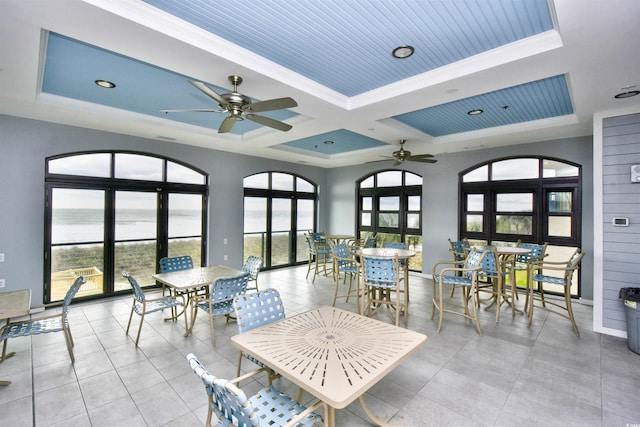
x=565 y=269
x=462 y=273
x=252 y=265
x=219 y=302
x=142 y=305
x=382 y=277
x=58 y=322
x=268 y=407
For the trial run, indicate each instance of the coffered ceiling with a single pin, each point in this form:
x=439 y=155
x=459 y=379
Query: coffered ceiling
x=536 y=69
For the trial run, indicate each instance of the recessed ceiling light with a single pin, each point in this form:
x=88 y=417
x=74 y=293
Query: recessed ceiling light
x=106 y=84
x=474 y=112
x=402 y=52
x=628 y=94
x=328 y=142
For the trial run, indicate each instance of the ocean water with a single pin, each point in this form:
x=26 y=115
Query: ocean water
x=87 y=225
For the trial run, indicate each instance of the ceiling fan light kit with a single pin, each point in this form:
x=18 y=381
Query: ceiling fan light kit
x=402 y=155
x=237 y=104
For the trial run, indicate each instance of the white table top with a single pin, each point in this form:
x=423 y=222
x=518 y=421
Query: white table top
x=15 y=303
x=335 y=355
x=402 y=253
x=195 y=277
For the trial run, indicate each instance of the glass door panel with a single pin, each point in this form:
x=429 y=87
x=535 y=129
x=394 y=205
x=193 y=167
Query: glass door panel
x=255 y=227
x=280 y=231
x=185 y=226
x=304 y=224
x=77 y=241
x=136 y=226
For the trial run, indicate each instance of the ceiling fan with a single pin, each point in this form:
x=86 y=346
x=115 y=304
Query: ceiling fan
x=402 y=155
x=236 y=104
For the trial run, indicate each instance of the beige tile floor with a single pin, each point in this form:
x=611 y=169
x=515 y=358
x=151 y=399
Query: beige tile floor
x=541 y=375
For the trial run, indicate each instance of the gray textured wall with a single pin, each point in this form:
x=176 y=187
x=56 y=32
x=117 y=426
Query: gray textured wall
x=621 y=198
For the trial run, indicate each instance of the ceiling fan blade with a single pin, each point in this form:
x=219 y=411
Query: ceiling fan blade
x=397 y=162
x=271 y=104
x=209 y=92
x=196 y=110
x=269 y=122
x=227 y=124
x=422 y=160
x=421 y=156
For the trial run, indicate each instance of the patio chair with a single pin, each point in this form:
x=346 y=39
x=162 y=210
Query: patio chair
x=254 y=309
x=404 y=263
x=58 y=322
x=556 y=273
x=382 y=280
x=252 y=265
x=526 y=262
x=219 y=302
x=142 y=305
x=459 y=249
x=345 y=262
x=268 y=407
x=494 y=273
x=463 y=273
x=176 y=263
x=317 y=249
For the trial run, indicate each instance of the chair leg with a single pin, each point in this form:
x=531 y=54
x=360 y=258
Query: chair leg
x=213 y=328
x=4 y=349
x=130 y=317
x=69 y=341
x=474 y=305
x=309 y=266
x=140 y=328
x=567 y=298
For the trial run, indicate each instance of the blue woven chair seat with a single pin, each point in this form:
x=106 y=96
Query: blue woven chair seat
x=453 y=280
x=153 y=306
x=550 y=279
x=219 y=308
x=34 y=327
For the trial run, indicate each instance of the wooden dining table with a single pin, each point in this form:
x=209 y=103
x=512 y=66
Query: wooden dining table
x=333 y=354
x=191 y=279
x=13 y=304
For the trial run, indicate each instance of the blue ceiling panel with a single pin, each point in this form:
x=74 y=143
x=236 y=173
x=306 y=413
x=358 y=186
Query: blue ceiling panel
x=335 y=42
x=536 y=100
x=342 y=141
x=72 y=67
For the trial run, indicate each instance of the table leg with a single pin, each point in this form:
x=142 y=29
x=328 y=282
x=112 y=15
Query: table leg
x=331 y=416
x=377 y=421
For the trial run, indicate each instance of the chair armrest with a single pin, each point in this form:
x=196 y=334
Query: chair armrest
x=318 y=403
x=249 y=375
x=165 y=297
